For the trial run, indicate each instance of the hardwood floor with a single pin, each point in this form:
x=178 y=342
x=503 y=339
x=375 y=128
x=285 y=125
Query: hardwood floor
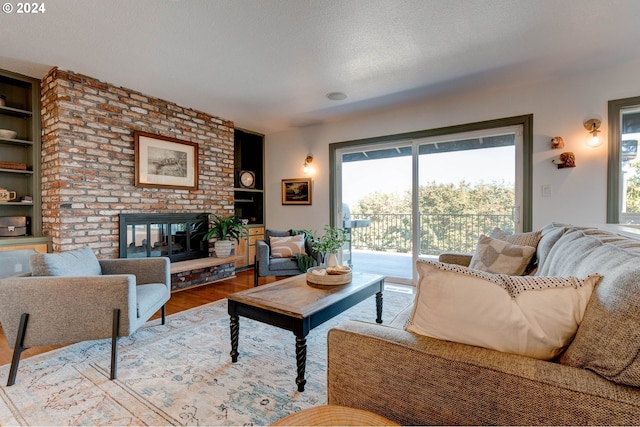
x=180 y=301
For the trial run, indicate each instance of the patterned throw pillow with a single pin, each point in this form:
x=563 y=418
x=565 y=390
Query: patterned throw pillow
x=532 y=316
x=531 y=238
x=500 y=257
x=286 y=247
x=523 y=239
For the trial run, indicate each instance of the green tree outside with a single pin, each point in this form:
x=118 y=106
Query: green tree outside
x=452 y=217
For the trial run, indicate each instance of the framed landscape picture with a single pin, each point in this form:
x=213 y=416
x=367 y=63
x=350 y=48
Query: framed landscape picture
x=165 y=162
x=296 y=191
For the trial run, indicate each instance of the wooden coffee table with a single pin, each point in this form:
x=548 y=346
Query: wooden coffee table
x=298 y=306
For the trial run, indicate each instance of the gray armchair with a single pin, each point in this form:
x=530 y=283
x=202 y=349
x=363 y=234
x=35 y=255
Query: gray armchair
x=72 y=296
x=265 y=265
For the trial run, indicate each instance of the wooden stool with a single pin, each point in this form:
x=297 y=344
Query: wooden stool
x=333 y=415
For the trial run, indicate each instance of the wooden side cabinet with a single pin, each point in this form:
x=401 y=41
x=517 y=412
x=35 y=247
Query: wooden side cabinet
x=13 y=257
x=242 y=259
x=246 y=249
x=255 y=234
x=38 y=244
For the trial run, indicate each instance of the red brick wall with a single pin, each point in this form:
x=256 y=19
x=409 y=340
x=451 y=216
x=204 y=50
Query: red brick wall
x=88 y=160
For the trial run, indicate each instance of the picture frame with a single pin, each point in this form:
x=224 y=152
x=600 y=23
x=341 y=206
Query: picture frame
x=165 y=162
x=296 y=191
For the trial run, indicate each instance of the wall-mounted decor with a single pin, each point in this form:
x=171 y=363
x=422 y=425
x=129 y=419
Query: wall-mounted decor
x=247 y=179
x=565 y=160
x=296 y=191
x=557 y=142
x=165 y=162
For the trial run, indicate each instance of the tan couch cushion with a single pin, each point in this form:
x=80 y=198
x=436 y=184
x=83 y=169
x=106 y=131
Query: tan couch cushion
x=527 y=315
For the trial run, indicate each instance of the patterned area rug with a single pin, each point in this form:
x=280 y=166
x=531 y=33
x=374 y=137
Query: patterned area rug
x=179 y=374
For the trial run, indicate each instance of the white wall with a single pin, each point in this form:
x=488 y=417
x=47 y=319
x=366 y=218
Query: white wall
x=559 y=108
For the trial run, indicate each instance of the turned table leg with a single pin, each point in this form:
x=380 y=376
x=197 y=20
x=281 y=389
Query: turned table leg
x=301 y=360
x=235 y=333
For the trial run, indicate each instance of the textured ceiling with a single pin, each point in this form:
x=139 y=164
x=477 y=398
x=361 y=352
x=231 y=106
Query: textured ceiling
x=268 y=64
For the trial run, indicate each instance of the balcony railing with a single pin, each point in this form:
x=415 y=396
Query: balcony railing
x=438 y=232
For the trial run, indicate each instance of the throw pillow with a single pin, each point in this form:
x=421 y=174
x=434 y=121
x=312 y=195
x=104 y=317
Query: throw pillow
x=498 y=256
x=523 y=239
x=527 y=315
x=531 y=238
x=79 y=262
x=286 y=247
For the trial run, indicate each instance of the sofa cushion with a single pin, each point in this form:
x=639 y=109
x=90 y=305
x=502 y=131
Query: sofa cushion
x=148 y=297
x=282 y=264
x=286 y=247
x=608 y=340
x=498 y=256
x=549 y=236
x=527 y=315
x=78 y=262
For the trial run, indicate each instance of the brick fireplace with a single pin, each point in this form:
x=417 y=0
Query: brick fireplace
x=177 y=236
x=88 y=160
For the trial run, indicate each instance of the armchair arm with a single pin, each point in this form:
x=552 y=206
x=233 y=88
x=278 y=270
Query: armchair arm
x=66 y=309
x=455 y=258
x=308 y=247
x=146 y=270
x=262 y=257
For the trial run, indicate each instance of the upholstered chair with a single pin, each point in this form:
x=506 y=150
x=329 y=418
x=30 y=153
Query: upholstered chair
x=270 y=264
x=72 y=296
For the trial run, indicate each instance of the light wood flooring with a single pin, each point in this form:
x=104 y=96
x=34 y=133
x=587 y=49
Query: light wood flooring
x=180 y=301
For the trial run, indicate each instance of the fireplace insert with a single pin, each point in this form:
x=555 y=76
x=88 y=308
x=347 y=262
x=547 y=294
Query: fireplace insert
x=174 y=235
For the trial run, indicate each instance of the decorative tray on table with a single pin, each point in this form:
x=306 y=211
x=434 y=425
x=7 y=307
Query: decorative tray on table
x=338 y=275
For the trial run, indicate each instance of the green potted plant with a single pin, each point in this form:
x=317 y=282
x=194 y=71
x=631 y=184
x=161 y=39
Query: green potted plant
x=224 y=229
x=330 y=243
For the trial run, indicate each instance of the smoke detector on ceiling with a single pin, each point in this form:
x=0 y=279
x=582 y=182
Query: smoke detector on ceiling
x=337 y=96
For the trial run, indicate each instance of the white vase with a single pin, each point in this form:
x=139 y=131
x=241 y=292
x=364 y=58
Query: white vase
x=223 y=248
x=332 y=260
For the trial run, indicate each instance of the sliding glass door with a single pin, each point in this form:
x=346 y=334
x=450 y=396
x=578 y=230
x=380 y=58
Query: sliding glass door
x=467 y=186
x=376 y=208
x=416 y=198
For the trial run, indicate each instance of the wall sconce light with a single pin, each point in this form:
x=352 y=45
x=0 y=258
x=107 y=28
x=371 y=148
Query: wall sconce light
x=307 y=161
x=592 y=125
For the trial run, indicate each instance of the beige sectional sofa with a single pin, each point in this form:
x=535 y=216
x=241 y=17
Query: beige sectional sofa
x=417 y=380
